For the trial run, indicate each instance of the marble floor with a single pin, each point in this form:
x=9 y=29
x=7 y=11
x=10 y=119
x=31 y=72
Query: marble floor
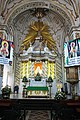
x=38 y=115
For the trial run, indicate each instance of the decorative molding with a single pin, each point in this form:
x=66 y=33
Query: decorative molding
x=31 y=5
x=74 y=28
x=25 y=7
x=5 y=28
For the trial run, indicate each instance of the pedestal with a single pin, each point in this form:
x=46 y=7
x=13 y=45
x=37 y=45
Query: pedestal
x=73 y=83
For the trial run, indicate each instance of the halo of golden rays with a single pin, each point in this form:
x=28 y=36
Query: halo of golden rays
x=33 y=33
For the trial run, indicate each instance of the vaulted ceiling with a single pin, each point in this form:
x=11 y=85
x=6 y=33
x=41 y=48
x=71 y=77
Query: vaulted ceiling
x=60 y=16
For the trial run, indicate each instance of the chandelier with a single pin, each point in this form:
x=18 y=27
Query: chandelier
x=40 y=12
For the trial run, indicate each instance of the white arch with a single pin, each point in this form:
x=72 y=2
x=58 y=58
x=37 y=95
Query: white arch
x=43 y=4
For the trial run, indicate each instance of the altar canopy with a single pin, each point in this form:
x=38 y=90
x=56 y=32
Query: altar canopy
x=38 y=58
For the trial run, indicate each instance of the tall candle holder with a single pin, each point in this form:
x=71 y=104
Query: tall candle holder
x=49 y=81
x=24 y=86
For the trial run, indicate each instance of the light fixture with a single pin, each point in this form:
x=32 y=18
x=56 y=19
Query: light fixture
x=40 y=12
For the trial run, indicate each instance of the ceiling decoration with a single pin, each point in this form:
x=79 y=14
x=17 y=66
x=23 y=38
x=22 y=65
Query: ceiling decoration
x=39 y=12
x=7 y=7
x=24 y=21
x=39 y=29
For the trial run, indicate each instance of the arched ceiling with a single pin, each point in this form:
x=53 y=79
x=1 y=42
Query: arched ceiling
x=26 y=26
x=61 y=15
x=69 y=6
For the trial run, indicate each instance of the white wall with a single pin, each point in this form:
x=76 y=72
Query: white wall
x=0 y=84
x=8 y=76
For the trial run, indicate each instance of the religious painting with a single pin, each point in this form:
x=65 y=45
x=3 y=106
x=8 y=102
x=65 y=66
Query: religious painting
x=38 y=68
x=5 y=47
x=6 y=51
x=72 y=53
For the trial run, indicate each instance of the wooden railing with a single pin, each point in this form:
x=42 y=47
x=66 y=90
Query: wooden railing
x=39 y=104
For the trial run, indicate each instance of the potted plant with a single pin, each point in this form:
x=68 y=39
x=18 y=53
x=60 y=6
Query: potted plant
x=24 y=79
x=50 y=80
x=6 y=91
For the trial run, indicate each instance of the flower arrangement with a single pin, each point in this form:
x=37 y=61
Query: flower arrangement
x=6 y=91
x=24 y=79
x=60 y=96
x=50 y=79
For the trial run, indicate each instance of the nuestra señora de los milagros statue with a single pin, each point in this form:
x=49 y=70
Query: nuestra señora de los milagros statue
x=38 y=77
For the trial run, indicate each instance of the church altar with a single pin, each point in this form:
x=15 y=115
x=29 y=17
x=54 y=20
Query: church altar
x=37 y=91
x=37 y=65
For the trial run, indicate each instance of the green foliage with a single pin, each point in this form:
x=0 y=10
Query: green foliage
x=6 y=90
x=60 y=96
x=24 y=79
x=50 y=79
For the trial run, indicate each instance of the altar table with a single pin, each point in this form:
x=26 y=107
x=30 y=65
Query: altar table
x=37 y=91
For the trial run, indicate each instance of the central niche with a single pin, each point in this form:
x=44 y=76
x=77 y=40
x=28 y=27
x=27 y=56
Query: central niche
x=38 y=68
